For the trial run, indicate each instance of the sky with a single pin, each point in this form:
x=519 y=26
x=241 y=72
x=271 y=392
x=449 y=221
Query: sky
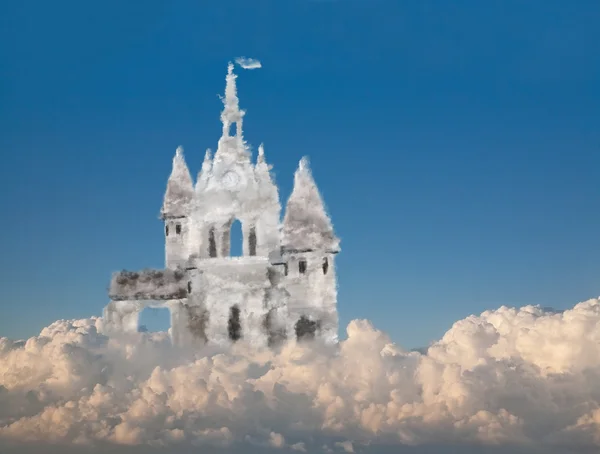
x=456 y=145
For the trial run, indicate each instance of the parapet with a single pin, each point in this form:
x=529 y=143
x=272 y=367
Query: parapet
x=149 y=284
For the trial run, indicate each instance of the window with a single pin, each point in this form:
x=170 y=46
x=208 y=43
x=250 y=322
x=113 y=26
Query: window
x=178 y=229
x=302 y=266
x=212 y=244
x=235 y=248
x=234 y=326
x=167 y=230
x=252 y=241
x=190 y=287
x=285 y=269
x=325 y=265
x=305 y=328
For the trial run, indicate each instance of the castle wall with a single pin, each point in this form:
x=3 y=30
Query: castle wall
x=228 y=283
x=313 y=294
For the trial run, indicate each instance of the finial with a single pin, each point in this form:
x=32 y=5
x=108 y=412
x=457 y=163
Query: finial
x=207 y=155
x=304 y=163
x=179 y=151
x=261 y=153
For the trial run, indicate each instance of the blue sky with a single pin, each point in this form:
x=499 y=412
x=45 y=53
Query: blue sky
x=456 y=144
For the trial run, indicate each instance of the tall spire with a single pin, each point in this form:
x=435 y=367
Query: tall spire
x=231 y=113
x=205 y=172
x=306 y=225
x=180 y=189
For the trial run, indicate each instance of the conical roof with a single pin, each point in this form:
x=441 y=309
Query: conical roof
x=262 y=171
x=306 y=225
x=180 y=189
x=205 y=172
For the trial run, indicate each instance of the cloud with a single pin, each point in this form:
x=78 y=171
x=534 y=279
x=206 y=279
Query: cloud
x=512 y=378
x=248 y=63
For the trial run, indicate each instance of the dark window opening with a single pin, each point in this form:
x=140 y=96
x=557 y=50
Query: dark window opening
x=325 y=265
x=305 y=328
x=234 y=326
x=190 y=287
x=302 y=266
x=212 y=244
x=178 y=229
x=166 y=230
x=285 y=269
x=252 y=241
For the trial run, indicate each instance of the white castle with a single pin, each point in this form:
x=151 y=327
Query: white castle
x=283 y=287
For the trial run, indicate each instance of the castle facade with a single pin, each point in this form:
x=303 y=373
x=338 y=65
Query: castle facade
x=283 y=287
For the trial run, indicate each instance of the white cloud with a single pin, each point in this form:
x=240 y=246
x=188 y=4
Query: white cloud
x=248 y=63
x=524 y=376
x=345 y=445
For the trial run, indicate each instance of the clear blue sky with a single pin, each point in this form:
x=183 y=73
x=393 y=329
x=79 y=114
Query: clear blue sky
x=456 y=144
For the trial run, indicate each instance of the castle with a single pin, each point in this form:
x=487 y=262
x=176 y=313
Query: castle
x=282 y=288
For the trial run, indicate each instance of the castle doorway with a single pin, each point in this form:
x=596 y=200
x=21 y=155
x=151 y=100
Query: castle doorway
x=154 y=319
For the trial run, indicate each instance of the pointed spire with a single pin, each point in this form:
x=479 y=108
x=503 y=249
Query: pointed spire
x=306 y=225
x=262 y=171
x=204 y=174
x=180 y=188
x=231 y=112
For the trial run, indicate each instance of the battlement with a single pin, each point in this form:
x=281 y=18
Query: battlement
x=148 y=285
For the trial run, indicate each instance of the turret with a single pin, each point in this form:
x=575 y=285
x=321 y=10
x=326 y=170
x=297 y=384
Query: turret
x=229 y=193
x=175 y=212
x=306 y=226
x=309 y=246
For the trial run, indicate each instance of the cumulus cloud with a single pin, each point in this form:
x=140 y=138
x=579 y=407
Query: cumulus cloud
x=522 y=378
x=248 y=63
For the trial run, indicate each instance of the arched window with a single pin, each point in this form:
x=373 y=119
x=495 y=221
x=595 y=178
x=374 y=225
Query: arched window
x=167 y=230
x=212 y=244
x=177 y=229
x=285 y=269
x=302 y=266
x=190 y=287
x=305 y=328
x=325 y=265
x=234 y=325
x=236 y=239
x=252 y=241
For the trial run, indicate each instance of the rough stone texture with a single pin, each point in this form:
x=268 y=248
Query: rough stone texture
x=284 y=286
x=149 y=285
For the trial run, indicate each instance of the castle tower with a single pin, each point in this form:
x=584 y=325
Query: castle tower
x=175 y=212
x=309 y=246
x=232 y=189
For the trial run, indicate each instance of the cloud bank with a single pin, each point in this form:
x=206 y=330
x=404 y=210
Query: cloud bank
x=248 y=63
x=525 y=377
